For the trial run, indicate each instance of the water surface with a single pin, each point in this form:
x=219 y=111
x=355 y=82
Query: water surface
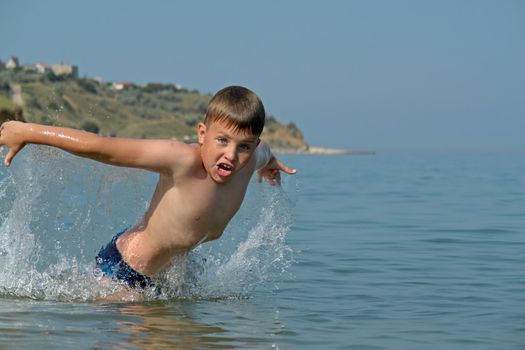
x=360 y=252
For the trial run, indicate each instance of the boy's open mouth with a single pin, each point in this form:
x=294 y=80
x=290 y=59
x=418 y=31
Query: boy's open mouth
x=224 y=169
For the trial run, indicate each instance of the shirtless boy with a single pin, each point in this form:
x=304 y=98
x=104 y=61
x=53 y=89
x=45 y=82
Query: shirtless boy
x=200 y=188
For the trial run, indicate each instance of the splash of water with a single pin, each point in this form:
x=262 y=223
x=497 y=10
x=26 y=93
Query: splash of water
x=255 y=255
x=56 y=211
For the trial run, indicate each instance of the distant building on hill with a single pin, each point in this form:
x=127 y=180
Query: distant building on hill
x=39 y=67
x=121 y=85
x=42 y=68
x=12 y=63
x=65 y=69
x=33 y=68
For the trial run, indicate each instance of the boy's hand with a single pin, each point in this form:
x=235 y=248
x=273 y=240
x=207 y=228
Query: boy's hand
x=11 y=136
x=271 y=172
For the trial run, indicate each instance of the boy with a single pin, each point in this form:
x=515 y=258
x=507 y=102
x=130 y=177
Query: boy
x=200 y=187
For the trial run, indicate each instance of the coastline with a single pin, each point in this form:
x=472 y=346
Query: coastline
x=322 y=151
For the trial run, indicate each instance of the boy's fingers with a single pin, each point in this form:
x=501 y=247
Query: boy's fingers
x=274 y=179
x=277 y=179
x=7 y=160
x=9 y=157
x=284 y=168
x=272 y=173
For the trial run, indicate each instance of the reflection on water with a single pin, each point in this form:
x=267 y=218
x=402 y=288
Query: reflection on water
x=155 y=326
x=152 y=325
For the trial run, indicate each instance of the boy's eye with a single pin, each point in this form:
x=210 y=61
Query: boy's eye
x=244 y=147
x=222 y=140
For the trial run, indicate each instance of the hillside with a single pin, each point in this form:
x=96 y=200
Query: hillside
x=151 y=111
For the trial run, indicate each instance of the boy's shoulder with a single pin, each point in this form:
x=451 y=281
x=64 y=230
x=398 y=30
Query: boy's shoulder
x=189 y=152
x=185 y=156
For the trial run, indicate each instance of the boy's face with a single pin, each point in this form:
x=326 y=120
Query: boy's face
x=225 y=151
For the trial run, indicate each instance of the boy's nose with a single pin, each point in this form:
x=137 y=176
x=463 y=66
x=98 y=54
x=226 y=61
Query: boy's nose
x=231 y=154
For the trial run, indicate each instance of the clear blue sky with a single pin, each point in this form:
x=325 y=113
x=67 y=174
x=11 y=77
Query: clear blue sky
x=384 y=75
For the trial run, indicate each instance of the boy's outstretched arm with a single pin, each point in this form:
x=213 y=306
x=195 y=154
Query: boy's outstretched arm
x=269 y=167
x=155 y=155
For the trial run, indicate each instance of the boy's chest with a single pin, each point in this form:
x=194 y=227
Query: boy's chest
x=209 y=206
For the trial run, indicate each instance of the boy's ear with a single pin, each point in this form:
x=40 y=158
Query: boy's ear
x=201 y=132
x=258 y=142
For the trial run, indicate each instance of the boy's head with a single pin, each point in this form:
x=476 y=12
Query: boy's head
x=238 y=108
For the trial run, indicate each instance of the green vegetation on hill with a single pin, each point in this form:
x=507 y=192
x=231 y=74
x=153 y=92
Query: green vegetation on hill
x=151 y=111
x=5 y=102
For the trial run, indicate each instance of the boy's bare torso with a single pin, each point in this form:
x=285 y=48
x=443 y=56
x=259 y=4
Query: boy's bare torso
x=187 y=208
x=200 y=186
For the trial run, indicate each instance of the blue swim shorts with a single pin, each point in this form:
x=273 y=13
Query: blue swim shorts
x=111 y=264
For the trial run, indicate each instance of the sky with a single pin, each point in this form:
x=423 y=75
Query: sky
x=396 y=76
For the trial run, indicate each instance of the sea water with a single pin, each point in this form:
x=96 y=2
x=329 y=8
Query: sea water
x=360 y=252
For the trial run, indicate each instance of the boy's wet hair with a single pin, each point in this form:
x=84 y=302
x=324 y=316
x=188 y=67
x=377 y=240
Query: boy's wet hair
x=237 y=108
